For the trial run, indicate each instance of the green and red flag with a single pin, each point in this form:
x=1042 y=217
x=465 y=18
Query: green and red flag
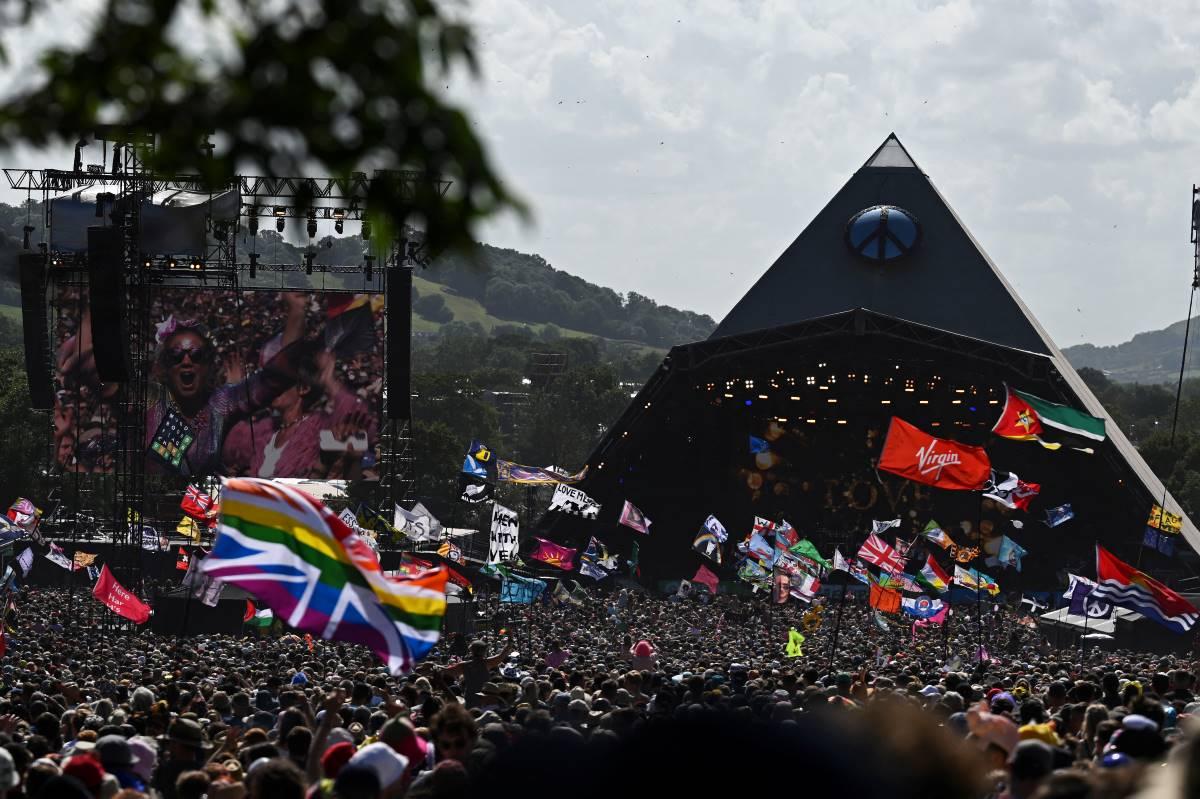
x=1027 y=418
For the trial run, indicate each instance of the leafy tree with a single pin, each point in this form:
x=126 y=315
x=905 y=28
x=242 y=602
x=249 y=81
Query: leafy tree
x=433 y=307
x=343 y=85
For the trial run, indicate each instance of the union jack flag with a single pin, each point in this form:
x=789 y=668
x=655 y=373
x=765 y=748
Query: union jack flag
x=875 y=550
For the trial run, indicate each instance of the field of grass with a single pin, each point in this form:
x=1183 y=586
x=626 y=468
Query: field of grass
x=468 y=310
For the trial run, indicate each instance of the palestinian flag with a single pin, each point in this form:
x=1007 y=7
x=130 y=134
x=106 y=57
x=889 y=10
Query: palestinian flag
x=1026 y=417
x=262 y=618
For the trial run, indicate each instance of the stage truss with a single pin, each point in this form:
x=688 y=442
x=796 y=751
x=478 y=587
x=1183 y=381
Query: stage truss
x=112 y=506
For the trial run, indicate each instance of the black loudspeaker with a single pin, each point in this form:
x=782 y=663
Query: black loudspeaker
x=106 y=299
x=32 y=268
x=399 y=343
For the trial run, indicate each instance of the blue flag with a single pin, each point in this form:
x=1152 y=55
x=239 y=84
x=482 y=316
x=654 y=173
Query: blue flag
x=1159 y=541
x=758 y=445
x=521 y=590
x=1056 y=516
x=922 y=607
x=1083 y=605
x=1010 y=553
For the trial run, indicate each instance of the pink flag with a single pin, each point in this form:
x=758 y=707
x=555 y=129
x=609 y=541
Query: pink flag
x=552 y=554
x=634 y=519
x=706 y=578
x=119 y=599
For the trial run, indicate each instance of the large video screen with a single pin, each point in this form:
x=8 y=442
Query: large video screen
x=242 y=383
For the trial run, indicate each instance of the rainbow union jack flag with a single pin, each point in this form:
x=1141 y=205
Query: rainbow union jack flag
x=294 y=555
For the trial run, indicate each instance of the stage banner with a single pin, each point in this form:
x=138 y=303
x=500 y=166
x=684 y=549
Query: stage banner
x=263 y=383
x=502 y=544
x=916 y=455
x=119 y=599
x=573 y=500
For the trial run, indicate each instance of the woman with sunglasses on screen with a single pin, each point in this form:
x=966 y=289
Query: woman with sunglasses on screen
x=187 y=423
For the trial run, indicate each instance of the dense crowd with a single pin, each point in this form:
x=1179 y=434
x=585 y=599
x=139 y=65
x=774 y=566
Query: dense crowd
x=614 y=694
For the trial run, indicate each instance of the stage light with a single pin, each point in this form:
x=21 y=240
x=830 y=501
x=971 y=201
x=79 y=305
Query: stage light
x=253 y=224
x=832 y=400
x=116 y=167
x=172 y=263
x=728 y=395
x=811 y=421
x=312 y=224
x=370 y=261
x=56 y=262
x=956 y=402
x=339 y=220
x=841 y=421
x=308 y=263
x=922 y=402
x=280 y=215
x=366 y=230
x=28 y=229
x=196 y=265
x=795 y=398
x=749 y=402
x=279 y=224
x=763 y=396
x=146 y=263
x=338 y=226
x=885 y=402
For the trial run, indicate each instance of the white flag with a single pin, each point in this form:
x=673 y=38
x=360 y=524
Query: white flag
x=502 y=544
x=573 y=500
x=840 y=563
x=349 y=519
x=418 y=524
x=878 y=527
x=25 y=561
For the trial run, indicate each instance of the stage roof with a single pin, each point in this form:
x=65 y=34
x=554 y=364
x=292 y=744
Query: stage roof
x=941 y=289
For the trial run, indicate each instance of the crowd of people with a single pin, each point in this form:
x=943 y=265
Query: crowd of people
x=604 y=693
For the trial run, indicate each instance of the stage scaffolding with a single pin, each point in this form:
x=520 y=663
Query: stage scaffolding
x=113 y=505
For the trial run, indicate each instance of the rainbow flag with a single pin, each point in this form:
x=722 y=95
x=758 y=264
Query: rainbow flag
x=295 y=556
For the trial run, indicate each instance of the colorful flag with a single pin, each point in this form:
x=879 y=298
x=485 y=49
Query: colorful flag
x=963 y=554
x=1010 y=491
x=119 y=599
x=1161 y=542
x=1010 y=553
x=1165 y=521
x=24 y=514
x=251 y=609
x=417 y=524
x=588 y=568
x=509 y=472
x=756 y=546
x=936 y=618
x=182 y=561
x=1058 y=515
x=261 y=618
x=83 y=559
x=758 y=445
x=1026 y=417
x=786 y=536
x=804 y=587
x=450 y=551
x=840 y=563
x=706 y=578
x=59 y=558
x=712 y=525
x=916 y=455
x=967 y=578
x=634 y=519
x=188 y=528
x=922 y=607
x=292 y=553
x=885 y=599
x=763 y=527
x=988 y=584
x=592 y=561
x=937 y=535
x=934 y=576
x=807 y=549
x=1129 y=588
x=878 y=527
x=478 y=462
x=1084 y=604
x=707 y=544
x=569 y=499
x=875 y=550
x=859 y=572
x=93 y=572
x=552 y=554
x=520 y=590
x=198 y=505
x=25 y=561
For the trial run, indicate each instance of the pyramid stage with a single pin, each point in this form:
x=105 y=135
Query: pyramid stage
x=884 y=305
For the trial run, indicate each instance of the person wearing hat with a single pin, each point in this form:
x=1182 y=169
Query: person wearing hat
x=388 y=765
x=474 y=671
x=183 y=749
x=117 y=758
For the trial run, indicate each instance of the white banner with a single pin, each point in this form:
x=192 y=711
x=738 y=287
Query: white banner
x=502 y=545
x=418 y=524
x=572 y=500
x=58 y=558
x=25 y=561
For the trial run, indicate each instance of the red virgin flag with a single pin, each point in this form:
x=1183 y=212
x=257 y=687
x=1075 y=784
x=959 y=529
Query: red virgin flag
x=916 y=455
x=119 y=599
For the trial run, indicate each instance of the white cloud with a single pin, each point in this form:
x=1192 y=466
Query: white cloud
x=1053 y=204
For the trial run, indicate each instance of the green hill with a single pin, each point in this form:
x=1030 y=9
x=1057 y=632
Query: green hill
x=1150 y=357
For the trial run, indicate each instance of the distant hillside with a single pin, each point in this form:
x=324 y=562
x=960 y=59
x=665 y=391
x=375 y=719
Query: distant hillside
x=490 y=286
x=1151 y=357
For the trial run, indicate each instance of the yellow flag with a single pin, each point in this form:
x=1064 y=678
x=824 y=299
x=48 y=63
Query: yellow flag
x=188 y=528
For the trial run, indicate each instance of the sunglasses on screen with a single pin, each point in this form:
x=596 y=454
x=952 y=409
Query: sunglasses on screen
x=175 y=355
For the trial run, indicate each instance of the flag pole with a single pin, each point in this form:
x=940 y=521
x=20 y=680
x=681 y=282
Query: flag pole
x=837 y=627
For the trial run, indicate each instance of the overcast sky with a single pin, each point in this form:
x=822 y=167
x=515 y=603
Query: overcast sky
x=676 y=148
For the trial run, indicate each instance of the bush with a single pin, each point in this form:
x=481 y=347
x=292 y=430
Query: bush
x=433 y=307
